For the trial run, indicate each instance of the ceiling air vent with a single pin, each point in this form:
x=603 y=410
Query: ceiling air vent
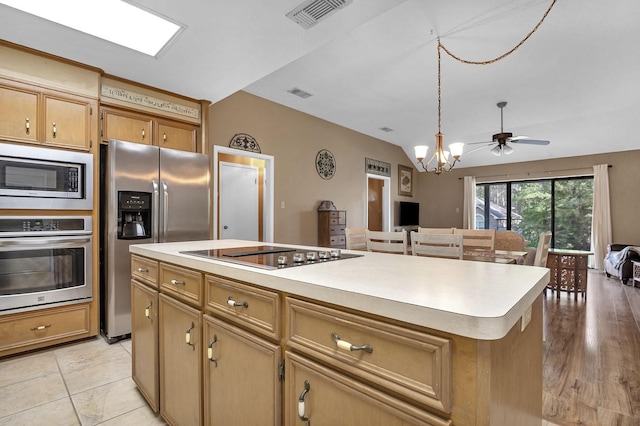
x=299 y=92
x=386 y=129
x=310 y=12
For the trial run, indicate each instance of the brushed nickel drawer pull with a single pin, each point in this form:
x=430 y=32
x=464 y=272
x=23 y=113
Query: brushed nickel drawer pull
x=234 y=304
x=343 y=344
x=26 y=125
x=40 y=327
x=143 y=270
x=147 y=311
x=177 y=282
x=304 y=393
x=55 y=130
x=188 y=337
x=210 y=351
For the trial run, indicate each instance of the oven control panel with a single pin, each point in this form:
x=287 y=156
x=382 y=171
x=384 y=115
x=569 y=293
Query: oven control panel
x=23 y=226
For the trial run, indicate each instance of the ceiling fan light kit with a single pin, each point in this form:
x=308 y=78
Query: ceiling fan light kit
x=441 y=157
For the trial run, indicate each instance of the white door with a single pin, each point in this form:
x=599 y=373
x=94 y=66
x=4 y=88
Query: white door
x=238 y=201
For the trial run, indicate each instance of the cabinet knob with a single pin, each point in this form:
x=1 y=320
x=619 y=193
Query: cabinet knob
x=54 y=129
x=164 y=136
x=142 y=133
x=27 y=125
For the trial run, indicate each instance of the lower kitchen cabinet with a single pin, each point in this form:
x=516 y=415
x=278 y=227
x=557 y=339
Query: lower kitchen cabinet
x=322 y=396
x=144 y=342
x=180 y=352
x=241 y=377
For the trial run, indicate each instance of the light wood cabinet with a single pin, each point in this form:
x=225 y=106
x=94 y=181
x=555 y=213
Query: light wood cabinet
x=180 y=349
x=36 y=114
x=144 y=342
x=44 y=327
x=146 y=129
x=323 y=396
x=241 y=377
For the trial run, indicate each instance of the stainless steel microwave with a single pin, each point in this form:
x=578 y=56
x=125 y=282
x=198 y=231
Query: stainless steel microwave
x=44 y=178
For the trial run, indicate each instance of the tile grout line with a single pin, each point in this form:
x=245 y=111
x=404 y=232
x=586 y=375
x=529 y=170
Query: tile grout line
x=64 y=380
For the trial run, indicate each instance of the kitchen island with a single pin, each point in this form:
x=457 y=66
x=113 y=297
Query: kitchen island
x=422 y=340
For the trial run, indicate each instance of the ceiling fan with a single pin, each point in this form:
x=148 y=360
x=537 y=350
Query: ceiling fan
x=502 y=139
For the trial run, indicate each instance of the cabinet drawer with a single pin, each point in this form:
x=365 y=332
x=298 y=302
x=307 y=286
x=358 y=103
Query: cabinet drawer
x=338 y=217
x=338 y=240
x=50 y=326
x=257 y=309
x=335 y=399
x=183 y=284
x=412 y=364
x=337 y=230
x=145 y=270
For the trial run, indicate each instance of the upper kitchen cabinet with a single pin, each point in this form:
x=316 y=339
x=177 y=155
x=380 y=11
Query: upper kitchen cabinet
x=137 y=113
x=47 y=100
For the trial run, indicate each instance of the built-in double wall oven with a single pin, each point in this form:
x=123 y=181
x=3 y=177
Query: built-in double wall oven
x=45 y=261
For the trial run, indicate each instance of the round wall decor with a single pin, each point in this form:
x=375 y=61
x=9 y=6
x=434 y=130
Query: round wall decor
x=325 y=164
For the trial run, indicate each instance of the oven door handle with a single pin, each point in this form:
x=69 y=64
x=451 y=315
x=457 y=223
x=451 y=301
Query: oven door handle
x=58 y=242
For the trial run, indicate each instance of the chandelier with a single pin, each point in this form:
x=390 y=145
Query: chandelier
x=441 y=157
x=444 y=160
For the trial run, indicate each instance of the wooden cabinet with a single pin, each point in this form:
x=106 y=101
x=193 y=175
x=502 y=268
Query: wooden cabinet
x=141 y=128
x=331 y=229
x=180 y=349
x=241 y=377
x=45 y=327
x=322 y=396
x=40 y=115
x=144 y=342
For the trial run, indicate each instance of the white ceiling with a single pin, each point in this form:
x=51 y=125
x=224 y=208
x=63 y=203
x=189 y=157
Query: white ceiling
x=373 y=64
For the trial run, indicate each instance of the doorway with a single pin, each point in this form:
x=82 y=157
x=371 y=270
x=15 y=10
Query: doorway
x=265 y=166
x=378 y=202
x=239 y=212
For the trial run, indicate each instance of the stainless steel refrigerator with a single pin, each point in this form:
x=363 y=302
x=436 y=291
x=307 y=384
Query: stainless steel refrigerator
x=147 y=195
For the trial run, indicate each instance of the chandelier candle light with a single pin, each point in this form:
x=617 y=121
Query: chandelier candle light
x=443 y=163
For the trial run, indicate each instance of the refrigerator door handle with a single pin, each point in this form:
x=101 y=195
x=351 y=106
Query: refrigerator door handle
x=156 y=211
x=165 y=211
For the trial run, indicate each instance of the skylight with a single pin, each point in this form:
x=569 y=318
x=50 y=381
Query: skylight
x=111 y=20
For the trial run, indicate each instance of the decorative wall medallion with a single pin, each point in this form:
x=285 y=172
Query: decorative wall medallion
x=245 y=142
x=325 y=164
x=377 y=167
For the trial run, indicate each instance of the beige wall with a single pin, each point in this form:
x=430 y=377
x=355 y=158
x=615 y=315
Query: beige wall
x=293 y=139
x=441 y=197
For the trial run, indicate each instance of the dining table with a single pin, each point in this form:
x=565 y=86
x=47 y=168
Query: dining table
x=495 y=256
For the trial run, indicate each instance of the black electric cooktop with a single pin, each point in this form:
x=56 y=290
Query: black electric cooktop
x=272 y=257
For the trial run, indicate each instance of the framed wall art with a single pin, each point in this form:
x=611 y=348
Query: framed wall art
x=405 y=180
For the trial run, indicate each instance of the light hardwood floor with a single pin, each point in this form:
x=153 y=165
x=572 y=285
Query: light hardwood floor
x=592 y=355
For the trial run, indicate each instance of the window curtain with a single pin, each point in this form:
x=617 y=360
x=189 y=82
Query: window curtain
x=601 y=220
x=469 y=205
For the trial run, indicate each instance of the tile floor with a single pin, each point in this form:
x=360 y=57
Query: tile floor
x=83 y=383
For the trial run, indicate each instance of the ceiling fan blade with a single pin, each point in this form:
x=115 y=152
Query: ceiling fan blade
x=487 y=144
x=525 y=140
x=477 y=143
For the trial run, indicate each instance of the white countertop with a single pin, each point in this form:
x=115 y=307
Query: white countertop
x=480 y=300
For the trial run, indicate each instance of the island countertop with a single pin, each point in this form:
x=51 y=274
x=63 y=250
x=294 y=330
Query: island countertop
x=480 y=300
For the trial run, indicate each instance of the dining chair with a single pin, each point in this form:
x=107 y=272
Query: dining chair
x=387 y=242
x=436 y=245
x=435 y=230
x=472 y=239
x=542 y=251
x=356 y=238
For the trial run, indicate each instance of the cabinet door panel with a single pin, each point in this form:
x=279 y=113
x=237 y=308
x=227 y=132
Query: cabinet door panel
x=176 y=136
x=180 y=362
x=18 y=114
x=144 y=341
x=126 y=127
x=241 y=372
x=335 y=399
x=67 y=122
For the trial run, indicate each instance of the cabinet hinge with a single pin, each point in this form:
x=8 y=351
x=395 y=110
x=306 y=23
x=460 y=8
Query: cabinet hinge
x=281 y=371
x=90 y=110
x=90 y=143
